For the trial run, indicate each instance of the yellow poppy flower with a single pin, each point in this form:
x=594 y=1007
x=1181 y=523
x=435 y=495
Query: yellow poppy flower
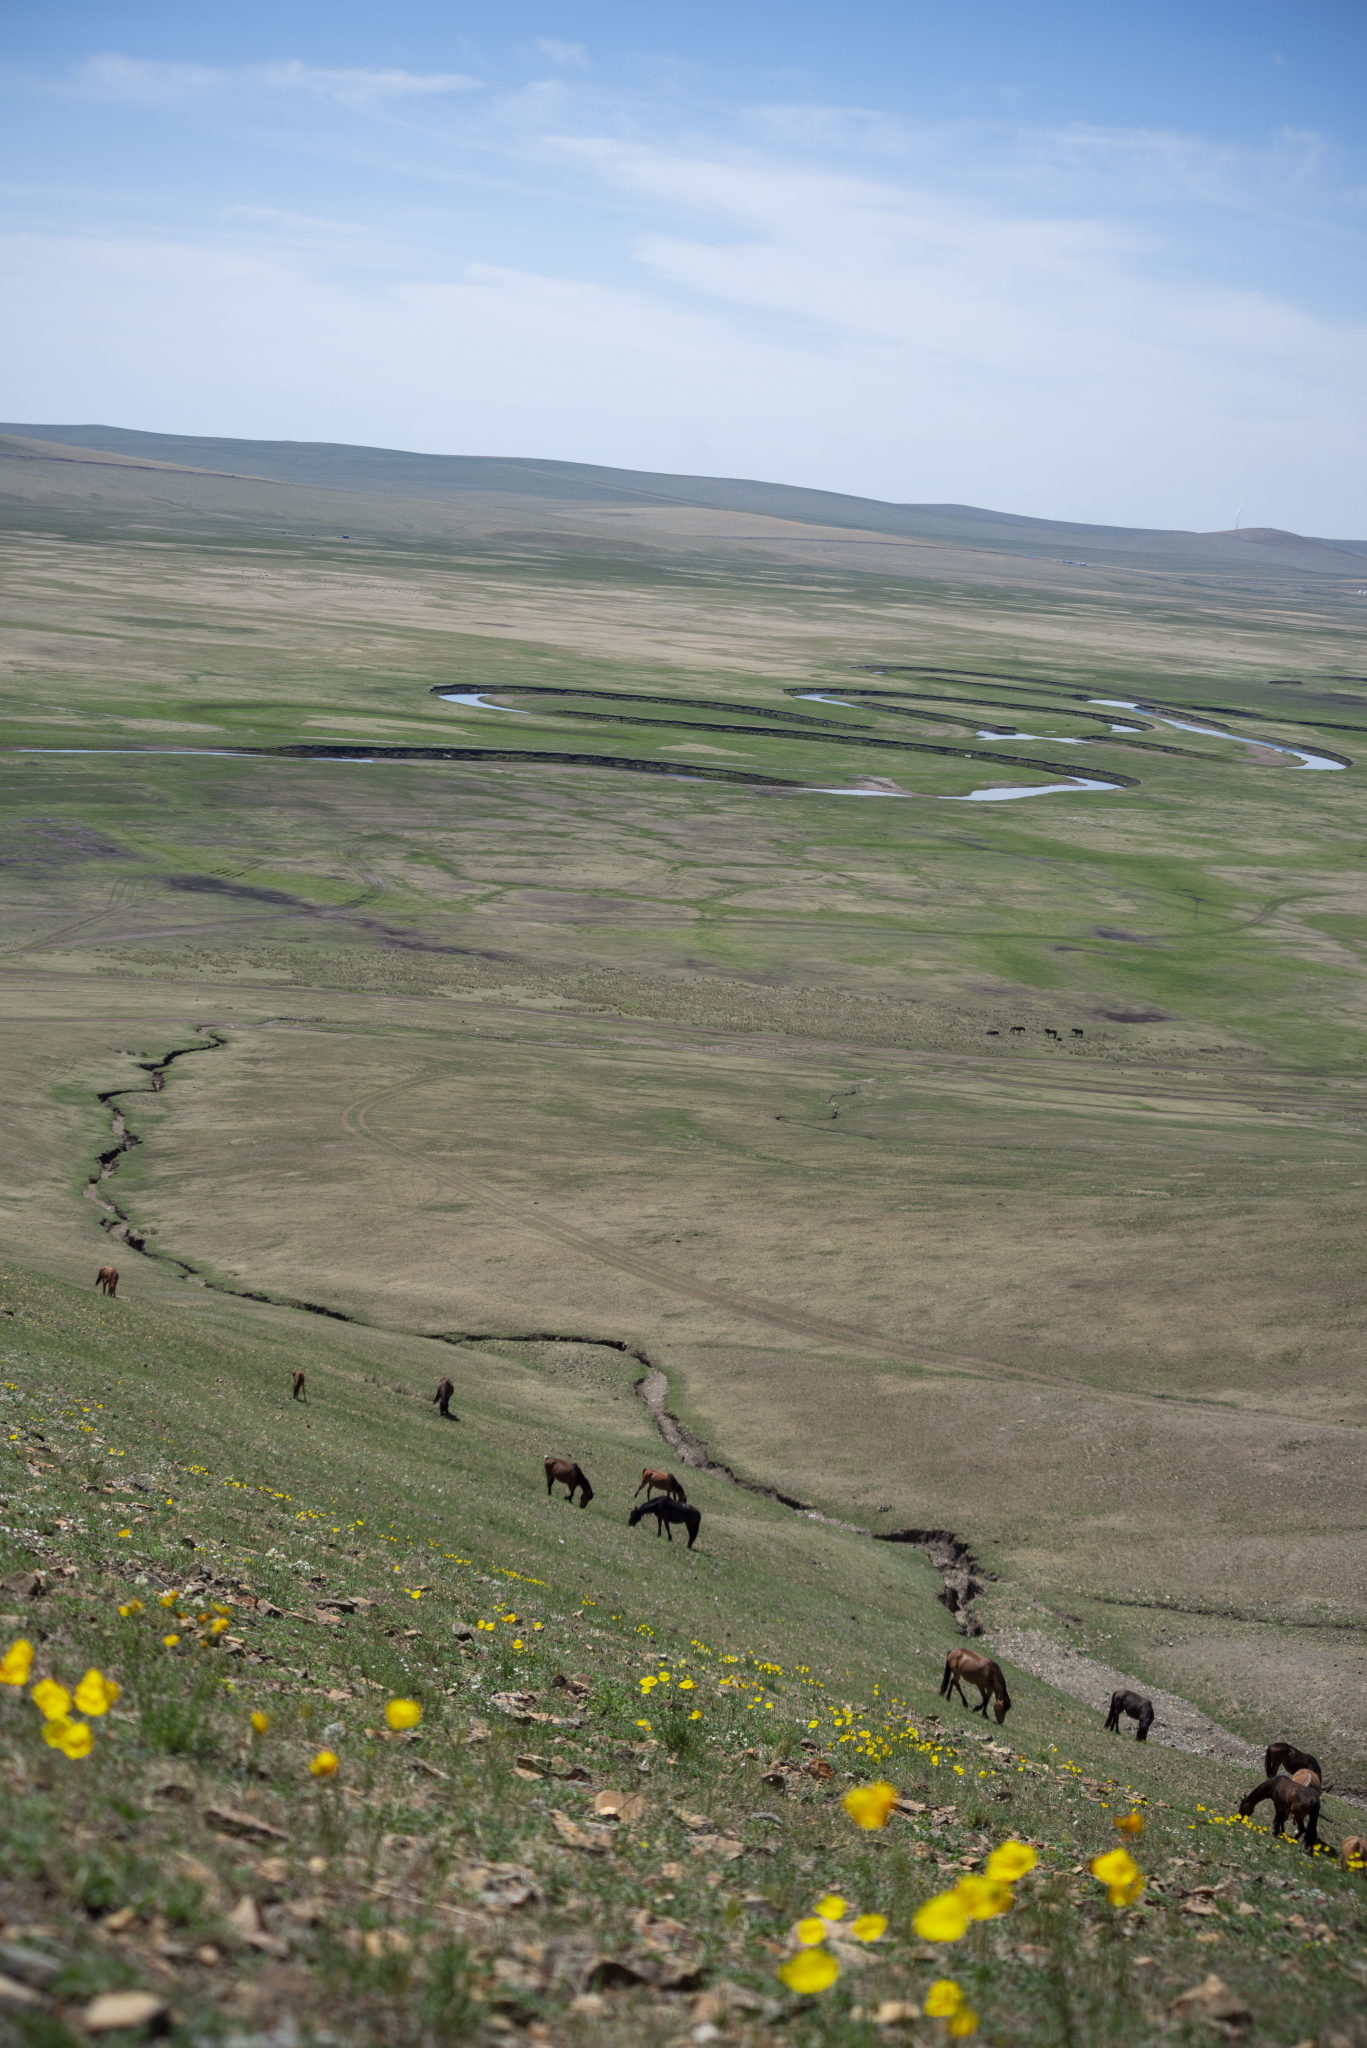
x=983 y=1899
x=1129 y=1823
x=96 y=1694
x=1011 y=1861
x=77 y=1739
x=832 y=1907
x=169 y=1599
x=324 y=1764
x=171 y=1641
x=943 y=1918
x=1120 y=1874
x=16 y=1663
x=816 y=1969
x=696 y=1714
x=810 y=1932
x=869 y=1927
x=403 y=1714
x=964 y=2023
x=53 y=1701
x=517 y=1642
x=130 y=1607
x=217 y=1627
x=870 y=1805
x=943 y=1999
x=260 y=1722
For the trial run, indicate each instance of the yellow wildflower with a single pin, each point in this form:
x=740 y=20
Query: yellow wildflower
x=810 y=1932
x=869 y=1927
x=943 y=1999
x=816 y=1969
x=983 y=1898
x=130 y=1607
x=169 y=1599
x=696 y=1714
x=324 y=1764
x=643 y=1724
x=217 y=1626
x=260 y=1722
x=16 y=1663
x=52 y=1700
x=1011 y=1861
x=687 y=1685
x=870 y=1805
x=1120 y=1874
x=1129 y=1823
x=73 y=1738
x=171 y=1641
x=943 y=1918
x=832 y=1907
x=96 y=1694
x=123 y=1533
x=403 y=1714
x=964 y=2023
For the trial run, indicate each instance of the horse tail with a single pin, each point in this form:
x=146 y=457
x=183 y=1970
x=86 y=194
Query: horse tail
x=945 y=1681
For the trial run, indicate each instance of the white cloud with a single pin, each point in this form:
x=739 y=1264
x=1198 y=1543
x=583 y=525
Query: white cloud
x=362 y=88
x=136 y=81
x=569 y=56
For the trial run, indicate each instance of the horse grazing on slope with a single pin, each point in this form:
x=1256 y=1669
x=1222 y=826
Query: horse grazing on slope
x=667 y=1511
x=1138 y=1709
x=1284 y=1756
x=107 y=1280
x=1295 y=1799
x=299 y=1393
x=979 y=1671
x=661 y=1482
x=564 y=1472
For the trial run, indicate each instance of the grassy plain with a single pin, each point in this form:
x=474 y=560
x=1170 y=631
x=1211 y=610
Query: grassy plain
x=495 y=1048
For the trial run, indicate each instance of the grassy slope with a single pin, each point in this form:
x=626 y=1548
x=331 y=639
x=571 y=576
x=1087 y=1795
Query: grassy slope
x=383 y=1916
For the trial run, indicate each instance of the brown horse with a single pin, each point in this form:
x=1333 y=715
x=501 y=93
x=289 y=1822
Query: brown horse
x=564 y=1472
x=661 y=1482
x=979 y=1671
x=107 y=1280
x=299 y=1394
x=1284 y=1756
x=1295 y=1799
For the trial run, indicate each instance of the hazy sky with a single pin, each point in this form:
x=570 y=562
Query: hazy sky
x=1096 y=262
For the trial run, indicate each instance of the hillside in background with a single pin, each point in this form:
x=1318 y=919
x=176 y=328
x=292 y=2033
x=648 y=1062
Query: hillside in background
x=519 y=482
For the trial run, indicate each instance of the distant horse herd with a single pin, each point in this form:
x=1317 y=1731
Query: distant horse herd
x=1293 y=1779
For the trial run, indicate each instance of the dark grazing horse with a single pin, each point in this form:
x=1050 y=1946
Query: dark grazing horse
x=107 y=1280
x=1137 y=1707
x=442 y=1399
x=1284 y=1756
x=979 y=1671
x=1295 y=1799
x=564 y=1472
x=666 y=1511
x=300 y=1393
x=655 y=1481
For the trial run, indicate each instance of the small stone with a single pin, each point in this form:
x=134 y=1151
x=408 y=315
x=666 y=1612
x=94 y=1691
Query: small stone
x=115 y=2009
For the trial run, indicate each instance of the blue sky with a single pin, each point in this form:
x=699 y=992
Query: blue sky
x=1091 y=262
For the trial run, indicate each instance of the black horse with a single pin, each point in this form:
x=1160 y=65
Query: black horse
x=666 y=1511
x=1284 y=1756
x=1138 y=1709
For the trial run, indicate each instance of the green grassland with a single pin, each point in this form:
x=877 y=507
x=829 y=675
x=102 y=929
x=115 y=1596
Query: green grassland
x=587 y=1020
